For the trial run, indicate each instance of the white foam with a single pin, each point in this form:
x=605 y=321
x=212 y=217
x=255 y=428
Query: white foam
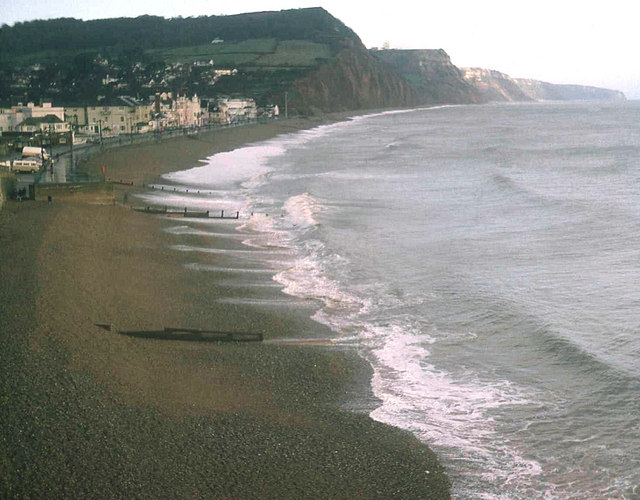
x=263 y=232
x=306 y=278
x=247 y=166
x=303 y=210
x=250 y=164
x=173 y=200
x=267 y=302
x=248 y=284
x=218 y=222
x=450 y=414
x=358 y=118
x=229 y=251
x=231 y=167
x=188 y=230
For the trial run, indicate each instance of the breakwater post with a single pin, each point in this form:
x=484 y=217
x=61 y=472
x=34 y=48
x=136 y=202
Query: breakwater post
x=184 y=212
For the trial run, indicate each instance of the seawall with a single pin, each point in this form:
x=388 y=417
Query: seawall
x=7 y=185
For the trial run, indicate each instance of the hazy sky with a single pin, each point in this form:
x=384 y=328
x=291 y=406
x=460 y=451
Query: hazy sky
x=560 y=41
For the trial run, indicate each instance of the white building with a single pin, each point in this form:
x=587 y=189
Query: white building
x=49 y=124
x=237 y=110
x=10 y=118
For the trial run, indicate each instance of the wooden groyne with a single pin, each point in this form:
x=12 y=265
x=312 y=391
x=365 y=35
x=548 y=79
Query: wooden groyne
x=185 y=213
x=186 y=334
x=173 y=212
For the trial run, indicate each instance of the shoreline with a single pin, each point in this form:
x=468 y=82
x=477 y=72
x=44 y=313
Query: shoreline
x=180 y=153
x=205 y=420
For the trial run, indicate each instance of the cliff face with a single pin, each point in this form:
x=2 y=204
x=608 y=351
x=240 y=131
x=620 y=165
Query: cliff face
x=495 y=87
x=543 y=91
x=433 y=75
x=354 y=80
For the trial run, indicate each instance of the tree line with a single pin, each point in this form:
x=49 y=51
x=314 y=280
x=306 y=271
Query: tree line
x=152 y=32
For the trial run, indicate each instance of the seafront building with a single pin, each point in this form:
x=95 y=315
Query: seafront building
x=12 y=118
x=33 y=124
x=178 y=112
x=123 y=115
x=49 y=124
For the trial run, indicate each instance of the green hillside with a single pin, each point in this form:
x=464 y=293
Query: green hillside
x=152 y=33
x=71 y=61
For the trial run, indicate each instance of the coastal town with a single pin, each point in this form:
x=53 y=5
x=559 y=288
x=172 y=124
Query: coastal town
x=45 y=124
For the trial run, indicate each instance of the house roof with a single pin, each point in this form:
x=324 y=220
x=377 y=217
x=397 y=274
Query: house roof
x=38 y=120
x=122 y=100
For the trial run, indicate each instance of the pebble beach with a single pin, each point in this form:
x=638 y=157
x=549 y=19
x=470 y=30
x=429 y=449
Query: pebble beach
x=89 y=413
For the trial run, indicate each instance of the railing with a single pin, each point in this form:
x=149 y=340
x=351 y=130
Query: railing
x=156 y=136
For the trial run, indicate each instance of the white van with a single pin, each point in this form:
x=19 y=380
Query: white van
x=35 y=152
x=29 y=165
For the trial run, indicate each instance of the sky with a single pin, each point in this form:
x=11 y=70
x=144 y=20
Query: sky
x=559 y=41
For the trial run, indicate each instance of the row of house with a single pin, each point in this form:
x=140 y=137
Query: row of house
x=127 y=115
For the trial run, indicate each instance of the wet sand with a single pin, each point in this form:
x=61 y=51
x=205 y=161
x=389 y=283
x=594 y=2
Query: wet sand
x=92 y=413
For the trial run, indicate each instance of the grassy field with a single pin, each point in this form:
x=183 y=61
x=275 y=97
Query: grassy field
x=263 y=52
x=295 y=53
x=44 y=57
x=257 y=47
x=259 y=53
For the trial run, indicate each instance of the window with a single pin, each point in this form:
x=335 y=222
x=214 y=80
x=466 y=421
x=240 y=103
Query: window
x=121 y=128
x=122 y=118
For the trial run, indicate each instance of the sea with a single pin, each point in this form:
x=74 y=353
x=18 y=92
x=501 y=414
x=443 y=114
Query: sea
x=484 y=259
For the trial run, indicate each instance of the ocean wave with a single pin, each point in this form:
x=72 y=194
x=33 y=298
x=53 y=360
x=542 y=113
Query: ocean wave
x=231 y=167
x=303 y=210
x=450 y=414
x=569 y=352
x=263 y=231
x=307 y=279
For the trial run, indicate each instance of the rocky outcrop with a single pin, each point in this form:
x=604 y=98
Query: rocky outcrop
x=354 y=80
x=431 y=72
x=496 y=87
